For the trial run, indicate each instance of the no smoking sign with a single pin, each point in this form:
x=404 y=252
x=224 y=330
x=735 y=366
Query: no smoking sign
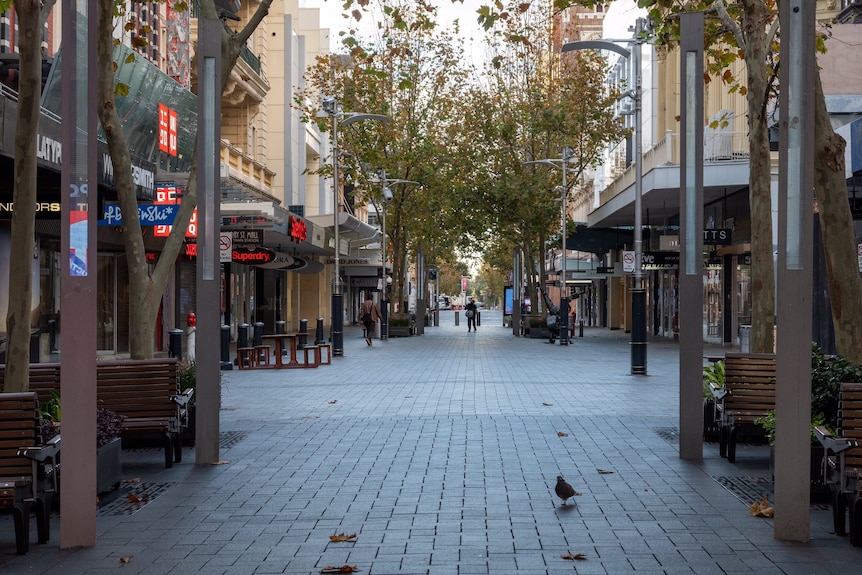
x=628 y=262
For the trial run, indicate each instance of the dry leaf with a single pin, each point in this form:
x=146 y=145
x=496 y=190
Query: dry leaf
x=574 y=556
x=342 y=537
x=311 y=417
x=221 y=462
x=547 y=404
x=135 y=480
x=133 y=498
x=604 y=472
x=761 y=509
x=562 y=434
x=333 y=401
x=342 y=569
x=125 y=560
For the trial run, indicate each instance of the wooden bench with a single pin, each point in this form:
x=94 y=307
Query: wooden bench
x=44 y=378
x=146 y=392
x=748 y=394
x=842 y=465
x=28 y=467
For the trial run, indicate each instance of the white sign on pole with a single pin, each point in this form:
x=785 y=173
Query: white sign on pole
x=225 y=248
x=628 y=262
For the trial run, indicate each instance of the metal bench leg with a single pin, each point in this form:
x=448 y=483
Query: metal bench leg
x=731 y=445
x=178 y=447
x=856 y=522
x=22 y=527
x=722 y=441
x=169 y=448
x=839 y=512
x=43 y=517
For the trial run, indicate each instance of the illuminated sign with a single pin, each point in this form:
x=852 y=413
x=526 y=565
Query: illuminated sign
x=169 y=195
x=168 y=124
x=251 y=256
x=296 y=229
x=148 y=214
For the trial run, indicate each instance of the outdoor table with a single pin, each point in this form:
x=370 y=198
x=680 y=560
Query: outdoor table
x=279 y=347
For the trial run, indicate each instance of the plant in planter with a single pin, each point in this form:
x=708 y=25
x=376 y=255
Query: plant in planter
x=188 y=380
x=713 y=378
x=109 y=424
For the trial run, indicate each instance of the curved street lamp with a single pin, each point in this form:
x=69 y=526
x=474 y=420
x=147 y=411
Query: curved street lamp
x=639 y=343
x=387 y=195
x=562 y=165
x=332 y=108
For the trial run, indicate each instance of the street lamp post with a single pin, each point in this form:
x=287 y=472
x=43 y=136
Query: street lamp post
x=387 y=279
x=562 y=164
x=638 y=291
x=332 y=109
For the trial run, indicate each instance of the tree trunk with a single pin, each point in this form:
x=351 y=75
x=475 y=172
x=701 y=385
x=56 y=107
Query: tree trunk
x=839 y=238
x=760 y=194
x=23 y=231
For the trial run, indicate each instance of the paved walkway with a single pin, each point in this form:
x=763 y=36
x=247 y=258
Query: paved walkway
x=440 y=453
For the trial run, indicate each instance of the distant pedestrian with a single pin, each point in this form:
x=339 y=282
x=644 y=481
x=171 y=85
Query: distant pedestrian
x=369 y=313
x=470 y=310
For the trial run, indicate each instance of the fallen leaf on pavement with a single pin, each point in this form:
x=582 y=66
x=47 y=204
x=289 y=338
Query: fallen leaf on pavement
x=547 y=404
x=311 y=417
x=604 y=472
x=761 y=509
x=574 y=556
x=333 y=401
x=135 y=480
x=342 y=537
x=562 y=434
x=125 y=560
x=342 y=569
x=133 y=498
x=221 y=462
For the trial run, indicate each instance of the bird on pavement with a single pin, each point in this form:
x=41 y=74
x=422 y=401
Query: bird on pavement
x=563 y=489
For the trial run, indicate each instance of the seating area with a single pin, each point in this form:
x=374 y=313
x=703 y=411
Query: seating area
x=747 y=395
x=843 y=463
x=28 y=467
x=146 y=392
x=286 y=352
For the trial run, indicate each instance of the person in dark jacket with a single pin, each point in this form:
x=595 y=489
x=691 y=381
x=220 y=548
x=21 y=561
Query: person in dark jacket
x=369 y=314
x=470 y=310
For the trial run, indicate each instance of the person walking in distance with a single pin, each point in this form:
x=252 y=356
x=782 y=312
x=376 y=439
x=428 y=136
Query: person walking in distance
x=470 y=311
x=369 y=314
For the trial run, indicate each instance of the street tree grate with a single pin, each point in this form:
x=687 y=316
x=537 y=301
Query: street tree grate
x=228 y=439
x=131 y=498
x=669 y=434
x=751 y=489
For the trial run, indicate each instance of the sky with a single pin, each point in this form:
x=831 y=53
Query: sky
x=620 y=16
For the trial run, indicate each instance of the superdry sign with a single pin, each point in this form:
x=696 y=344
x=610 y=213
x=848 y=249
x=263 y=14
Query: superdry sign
x=252 y=256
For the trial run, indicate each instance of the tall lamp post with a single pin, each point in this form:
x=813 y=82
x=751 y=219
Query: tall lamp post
x=562 y=164
x=638 y=343
x=387 y=279
x=332 y=108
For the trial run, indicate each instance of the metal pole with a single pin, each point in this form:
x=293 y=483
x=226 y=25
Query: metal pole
x=564 y=301
x=337 y=296
x=639 y=351
x=384 y=313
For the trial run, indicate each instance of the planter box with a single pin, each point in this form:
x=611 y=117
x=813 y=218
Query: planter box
x=109 y=466
x=400 y=331
x=711 y=429
x=187 y=435
x=540 y=333
x=819 y=490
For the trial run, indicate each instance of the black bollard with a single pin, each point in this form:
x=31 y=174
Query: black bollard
x=225 y=348
x=302 y=340
x=258 y=341
x=242 y=335
x=457 y=318
x=581 y=333
x=175 y=343
x=280 y=326
x=318 y=336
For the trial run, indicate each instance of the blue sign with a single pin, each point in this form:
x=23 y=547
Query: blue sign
x=149 y=214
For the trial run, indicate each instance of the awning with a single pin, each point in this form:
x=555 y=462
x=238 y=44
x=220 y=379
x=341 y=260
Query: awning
x=350 y=228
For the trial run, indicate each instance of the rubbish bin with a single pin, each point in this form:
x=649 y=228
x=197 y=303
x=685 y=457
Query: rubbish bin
x=745 y=339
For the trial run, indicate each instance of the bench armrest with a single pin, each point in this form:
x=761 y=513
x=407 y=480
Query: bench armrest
x=42 y=453
x=183 y=399
x=718 y=392
x=831 y=442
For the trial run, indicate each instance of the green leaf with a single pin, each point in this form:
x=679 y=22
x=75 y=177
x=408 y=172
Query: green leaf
x=121 y=90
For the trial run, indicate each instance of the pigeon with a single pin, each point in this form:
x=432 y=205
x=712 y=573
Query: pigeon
x=563 y=489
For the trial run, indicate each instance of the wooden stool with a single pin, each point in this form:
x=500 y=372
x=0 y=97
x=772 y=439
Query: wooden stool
x=261 y=350
x=245 y=358
x=311 y=353
x=318 y=355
